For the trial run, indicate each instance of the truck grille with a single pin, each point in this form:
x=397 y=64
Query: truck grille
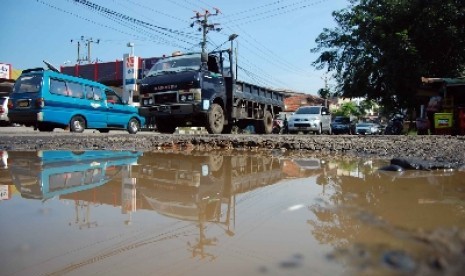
x=164 y=98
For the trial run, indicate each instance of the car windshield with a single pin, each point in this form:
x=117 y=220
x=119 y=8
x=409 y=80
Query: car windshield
x=308 y=110
x=342 y=120
x=175 y=64
x=28 y=84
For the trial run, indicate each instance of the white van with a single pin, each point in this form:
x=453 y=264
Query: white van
x=306 y=119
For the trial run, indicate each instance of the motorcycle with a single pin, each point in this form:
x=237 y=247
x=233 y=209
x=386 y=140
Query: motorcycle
x=395 y=125
x=277 y=127
x=280 y=126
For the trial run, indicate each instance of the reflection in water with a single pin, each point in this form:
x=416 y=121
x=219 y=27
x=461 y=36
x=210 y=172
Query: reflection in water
x=261 y=213
x=46 y=174
x=386 y=220
x=202 y=188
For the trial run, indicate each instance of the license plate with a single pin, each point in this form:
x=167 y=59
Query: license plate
x=23 y=103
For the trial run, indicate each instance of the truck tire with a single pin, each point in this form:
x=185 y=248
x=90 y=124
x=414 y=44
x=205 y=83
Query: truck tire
x=265 y=126
x=215 y=119
x=227 y=129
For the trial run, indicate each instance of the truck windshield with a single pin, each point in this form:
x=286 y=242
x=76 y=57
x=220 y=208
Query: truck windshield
x=28 y=84
x=175 y=64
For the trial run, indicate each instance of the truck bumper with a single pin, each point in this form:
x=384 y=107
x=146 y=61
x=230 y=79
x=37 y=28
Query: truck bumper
x=182 y=114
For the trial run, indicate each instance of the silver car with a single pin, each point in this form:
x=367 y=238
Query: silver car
x=367 y=129
x=308 y=119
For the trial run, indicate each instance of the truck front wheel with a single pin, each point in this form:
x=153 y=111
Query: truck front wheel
x=215 y=119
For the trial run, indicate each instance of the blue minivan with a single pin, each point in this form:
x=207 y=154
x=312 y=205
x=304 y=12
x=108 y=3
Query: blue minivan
x=48 y=99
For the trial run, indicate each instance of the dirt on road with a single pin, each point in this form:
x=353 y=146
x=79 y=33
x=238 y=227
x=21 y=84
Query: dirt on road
x=449 y=149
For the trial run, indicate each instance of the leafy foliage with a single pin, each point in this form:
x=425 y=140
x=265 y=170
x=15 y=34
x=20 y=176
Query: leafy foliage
x=382 y=48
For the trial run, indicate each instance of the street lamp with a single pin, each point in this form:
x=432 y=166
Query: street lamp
x=131 y=45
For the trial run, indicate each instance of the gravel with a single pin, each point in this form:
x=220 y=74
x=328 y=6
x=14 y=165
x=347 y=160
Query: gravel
x=438 y=148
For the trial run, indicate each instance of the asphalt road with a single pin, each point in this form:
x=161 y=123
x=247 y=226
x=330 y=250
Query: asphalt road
x=437 y=148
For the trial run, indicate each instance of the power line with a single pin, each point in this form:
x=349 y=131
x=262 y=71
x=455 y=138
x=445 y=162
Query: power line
x=112 y=27
x=112 y=13
x=275 y=12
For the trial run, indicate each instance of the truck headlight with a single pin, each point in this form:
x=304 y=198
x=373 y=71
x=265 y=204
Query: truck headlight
x=182 y=98
x=206 y=104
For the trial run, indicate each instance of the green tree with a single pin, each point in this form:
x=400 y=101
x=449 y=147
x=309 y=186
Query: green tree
x=348 y=109
x=324 y=93
x=381 y=48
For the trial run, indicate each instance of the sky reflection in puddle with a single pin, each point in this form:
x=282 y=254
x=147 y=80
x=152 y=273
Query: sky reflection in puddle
x=121 y=212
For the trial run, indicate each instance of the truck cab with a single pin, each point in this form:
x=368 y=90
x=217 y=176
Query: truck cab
x=180 y=90
x=200 y=90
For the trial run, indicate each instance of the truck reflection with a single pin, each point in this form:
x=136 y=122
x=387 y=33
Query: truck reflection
x=202 y=188
x=46 y=174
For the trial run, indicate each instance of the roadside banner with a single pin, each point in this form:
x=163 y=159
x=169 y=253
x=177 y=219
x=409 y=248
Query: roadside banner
x=130 y=68
x=5 y=71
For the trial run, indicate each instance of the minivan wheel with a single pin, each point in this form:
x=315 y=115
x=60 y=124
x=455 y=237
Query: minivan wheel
x=77 y=124
x=133 y=126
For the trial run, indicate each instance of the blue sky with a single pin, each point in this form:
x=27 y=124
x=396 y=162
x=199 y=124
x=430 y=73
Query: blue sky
x=275 y=36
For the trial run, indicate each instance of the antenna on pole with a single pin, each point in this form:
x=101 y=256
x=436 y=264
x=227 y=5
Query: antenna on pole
x=84 y=42
x=202 y=20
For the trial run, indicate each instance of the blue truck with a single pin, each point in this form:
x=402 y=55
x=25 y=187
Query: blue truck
x=201 y=90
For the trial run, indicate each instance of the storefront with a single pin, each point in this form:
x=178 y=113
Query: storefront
x=8 y=75
x=443 y=103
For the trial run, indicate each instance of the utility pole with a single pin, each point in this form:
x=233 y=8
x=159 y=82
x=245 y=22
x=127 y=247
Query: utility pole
x=85 y=42
x=204 y=26
x=89 y=41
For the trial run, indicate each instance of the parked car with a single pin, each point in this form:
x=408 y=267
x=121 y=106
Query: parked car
x=367 y=129
x=4 y=111
x=343 y=125
x=279 y=122
x=308 y=119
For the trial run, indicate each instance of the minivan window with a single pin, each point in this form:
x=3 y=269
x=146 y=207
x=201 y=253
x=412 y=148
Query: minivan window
x=57 y=87
x=75 y=90
x=112 y=97
x=28 y=84
x=93 y=93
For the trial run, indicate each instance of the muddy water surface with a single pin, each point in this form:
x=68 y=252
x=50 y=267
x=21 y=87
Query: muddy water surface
x=120 y=213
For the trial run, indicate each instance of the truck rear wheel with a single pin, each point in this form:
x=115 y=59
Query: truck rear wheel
x=215 y=120
x=265 y=126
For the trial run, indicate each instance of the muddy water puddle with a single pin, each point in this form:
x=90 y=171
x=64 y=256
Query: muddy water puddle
x=122 y=212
